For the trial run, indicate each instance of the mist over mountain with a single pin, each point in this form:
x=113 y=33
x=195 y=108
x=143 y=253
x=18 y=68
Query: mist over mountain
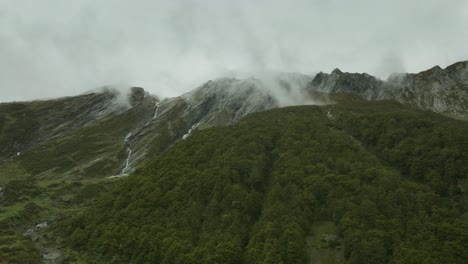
x=137 y=125
x=51 y=49
x=243 y=132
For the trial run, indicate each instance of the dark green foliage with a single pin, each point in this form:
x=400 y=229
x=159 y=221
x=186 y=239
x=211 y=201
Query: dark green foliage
x=18 y=128
x=19 y=190
x=15 y=248
x=385 y=175
x=422 y=145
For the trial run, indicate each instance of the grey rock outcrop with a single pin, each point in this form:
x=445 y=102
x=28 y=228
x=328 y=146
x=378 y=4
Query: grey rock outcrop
x=225 y=101
x=436 y=89
x=362 y=84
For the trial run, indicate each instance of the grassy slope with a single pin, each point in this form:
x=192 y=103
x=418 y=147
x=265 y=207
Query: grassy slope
x=52 y=194
x=17 y=127
x=67 y=159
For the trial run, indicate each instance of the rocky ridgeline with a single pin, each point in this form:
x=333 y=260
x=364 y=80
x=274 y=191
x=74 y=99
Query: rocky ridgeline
x=436 y=89
x=90 y=131
x=224 y=101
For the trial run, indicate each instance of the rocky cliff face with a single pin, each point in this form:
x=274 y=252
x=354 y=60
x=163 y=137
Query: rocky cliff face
x=364 y=85
x=436 y=89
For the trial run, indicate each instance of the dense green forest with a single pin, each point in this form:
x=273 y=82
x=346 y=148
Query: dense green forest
x=358 y=182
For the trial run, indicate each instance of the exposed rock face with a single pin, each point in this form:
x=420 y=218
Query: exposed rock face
x=226 y=100
x=40 y=226
x=363 y=84
x=437 y=89
x=137 y=95
x=52 y=257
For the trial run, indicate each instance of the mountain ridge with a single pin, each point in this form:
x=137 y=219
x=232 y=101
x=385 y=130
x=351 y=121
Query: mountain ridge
x=436 y=89
x=161 y=122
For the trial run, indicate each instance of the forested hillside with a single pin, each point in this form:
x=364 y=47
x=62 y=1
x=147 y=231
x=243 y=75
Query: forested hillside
x=355 y=182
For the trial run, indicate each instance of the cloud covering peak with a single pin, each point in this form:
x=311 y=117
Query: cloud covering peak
x=54 y=48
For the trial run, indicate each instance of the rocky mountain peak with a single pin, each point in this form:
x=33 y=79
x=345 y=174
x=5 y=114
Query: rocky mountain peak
x=363 y=85
x=336 y=71
x=457 y=66
x=458 y=70
x=436 y=89
x=137 y=95
x=228 y=99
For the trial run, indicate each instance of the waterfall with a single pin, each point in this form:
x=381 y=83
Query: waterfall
x=190 y=131
x=129 y=155
x=158 y=104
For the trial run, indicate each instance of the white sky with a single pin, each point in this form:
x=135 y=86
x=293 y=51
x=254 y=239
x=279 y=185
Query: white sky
x=52 y=48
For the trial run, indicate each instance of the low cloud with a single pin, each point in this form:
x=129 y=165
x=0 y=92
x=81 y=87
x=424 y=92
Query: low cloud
x=56 y=48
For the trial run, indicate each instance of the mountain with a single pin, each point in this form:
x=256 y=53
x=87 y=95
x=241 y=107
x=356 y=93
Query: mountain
x=146 y=125
x=359 y=182
x=439 y=90
x=59 y=157
x=99 y=132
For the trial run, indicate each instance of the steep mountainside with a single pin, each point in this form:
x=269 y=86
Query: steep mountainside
x=57 y=157
x=358 y=182
x=92 y=133
x=97 y=130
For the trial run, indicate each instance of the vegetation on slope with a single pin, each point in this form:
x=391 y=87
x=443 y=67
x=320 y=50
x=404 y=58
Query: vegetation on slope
x=17 y=128
x=56 y=154
x=390 y=180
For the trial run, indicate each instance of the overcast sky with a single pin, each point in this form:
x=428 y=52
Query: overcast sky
x=51 y=48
